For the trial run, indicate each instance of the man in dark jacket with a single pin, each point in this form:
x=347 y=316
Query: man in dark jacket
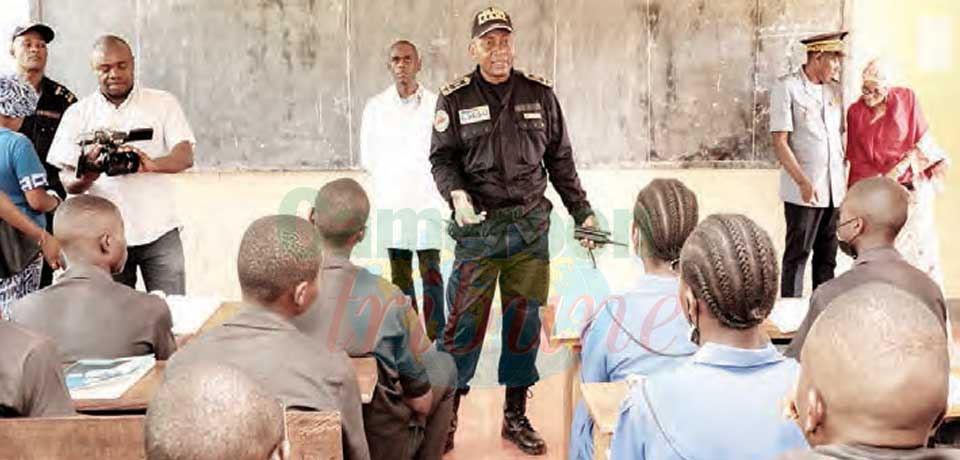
x=499 y=136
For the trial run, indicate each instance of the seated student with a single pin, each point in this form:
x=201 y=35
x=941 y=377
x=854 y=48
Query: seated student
x=278 y=264
x=31 y=376
x=876 y=392
x=86 y=312
x=871 y=216
x=367 y=315
x=641 y=331
x=724 y=402
x=213 y=412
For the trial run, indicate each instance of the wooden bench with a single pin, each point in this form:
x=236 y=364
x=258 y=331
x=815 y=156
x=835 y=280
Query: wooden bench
x=313 y=435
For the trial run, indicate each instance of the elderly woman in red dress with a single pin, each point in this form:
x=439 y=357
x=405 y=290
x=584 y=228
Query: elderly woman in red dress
x=888 y=135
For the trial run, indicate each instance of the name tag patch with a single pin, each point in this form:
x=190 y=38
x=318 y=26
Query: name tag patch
x=532 y=116
x=474 y=115
x=531 y=107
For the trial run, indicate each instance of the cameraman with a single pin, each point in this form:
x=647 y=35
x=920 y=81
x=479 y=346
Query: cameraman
x=145 y=198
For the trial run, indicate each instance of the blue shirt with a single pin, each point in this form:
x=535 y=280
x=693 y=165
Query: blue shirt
x=20 y=170
x=722 y=404
x=650 y=313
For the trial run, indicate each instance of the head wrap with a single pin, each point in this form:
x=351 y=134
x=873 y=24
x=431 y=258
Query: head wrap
x=17 y=97
x=876 y=71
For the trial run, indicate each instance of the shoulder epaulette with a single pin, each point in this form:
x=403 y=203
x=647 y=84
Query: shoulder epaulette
x=449 y=88
x=65 y=93
x=539 y=79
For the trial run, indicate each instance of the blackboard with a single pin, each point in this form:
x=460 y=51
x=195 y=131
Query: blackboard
x=281 y=84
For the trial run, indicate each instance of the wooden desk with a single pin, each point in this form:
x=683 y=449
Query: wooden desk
x=137 y=398
x=314 y=435
x=603 y=402
x=220 y=316
x=571 y=375
x=777 y=337
x=367 y=377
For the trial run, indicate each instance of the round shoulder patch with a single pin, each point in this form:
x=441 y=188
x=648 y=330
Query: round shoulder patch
x=441 y=121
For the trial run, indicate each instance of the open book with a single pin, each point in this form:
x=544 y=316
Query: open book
x=106 y=378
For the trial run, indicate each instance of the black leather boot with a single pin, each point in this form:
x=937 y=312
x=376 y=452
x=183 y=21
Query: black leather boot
x=453 y=420
x=516 y=425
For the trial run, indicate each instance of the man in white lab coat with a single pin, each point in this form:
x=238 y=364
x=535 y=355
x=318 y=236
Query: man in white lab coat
x=394 y=149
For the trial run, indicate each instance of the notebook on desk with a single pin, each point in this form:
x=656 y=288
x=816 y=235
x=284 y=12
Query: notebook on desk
x=106 y=378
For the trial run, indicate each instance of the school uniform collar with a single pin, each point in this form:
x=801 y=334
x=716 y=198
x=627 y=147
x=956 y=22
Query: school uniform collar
x=877 y=255
x=256 y=317
x=864 y=451
x=82 y=271
x=714 y=354
x=332 y=261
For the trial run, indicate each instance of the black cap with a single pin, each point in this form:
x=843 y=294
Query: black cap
x=491 y=18
x=44 y=30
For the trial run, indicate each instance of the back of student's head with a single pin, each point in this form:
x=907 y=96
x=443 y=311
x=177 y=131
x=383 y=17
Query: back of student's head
x=881 y=202
x=875 y=369
x=84 y=217
x=340 y=211
x=91 y=228
x=277 y=254
x=730 y=265
x=212 y=412
x=664 y=215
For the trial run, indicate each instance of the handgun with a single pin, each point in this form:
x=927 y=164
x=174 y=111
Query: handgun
x=597 y=236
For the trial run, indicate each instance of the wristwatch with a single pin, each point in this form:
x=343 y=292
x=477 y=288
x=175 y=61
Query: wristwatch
x=53 y=193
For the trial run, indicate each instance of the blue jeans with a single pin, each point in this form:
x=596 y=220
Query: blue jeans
x=160 y=263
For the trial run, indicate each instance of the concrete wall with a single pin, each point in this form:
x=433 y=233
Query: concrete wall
x=281 y=84
x=217 y=208
x=14 y=12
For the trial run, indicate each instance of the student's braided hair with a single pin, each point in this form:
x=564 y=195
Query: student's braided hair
x=730 y=264
x=665 y=213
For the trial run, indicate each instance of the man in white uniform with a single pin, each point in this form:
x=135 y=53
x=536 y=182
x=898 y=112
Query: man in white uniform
x=806 y=121
x=145 y=198
x=394 y=149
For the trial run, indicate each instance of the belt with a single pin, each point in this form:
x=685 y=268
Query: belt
x=512 y=212
x=516 y=212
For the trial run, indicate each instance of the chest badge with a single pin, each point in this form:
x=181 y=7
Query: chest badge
x=474 y=115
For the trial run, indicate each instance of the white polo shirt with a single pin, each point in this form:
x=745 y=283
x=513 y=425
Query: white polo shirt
x=395 y=150
x=145 y=199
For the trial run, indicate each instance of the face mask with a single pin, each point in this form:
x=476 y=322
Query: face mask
x=847 y=248
x=694 y=334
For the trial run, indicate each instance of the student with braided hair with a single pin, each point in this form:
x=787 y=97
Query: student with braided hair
x=642 y=330
x=724 y=402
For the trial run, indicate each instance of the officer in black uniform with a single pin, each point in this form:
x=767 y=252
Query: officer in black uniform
x=28 y=47
x=499 y=136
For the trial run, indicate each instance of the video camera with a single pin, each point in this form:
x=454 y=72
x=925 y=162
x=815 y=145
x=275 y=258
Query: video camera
x=111 y=160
